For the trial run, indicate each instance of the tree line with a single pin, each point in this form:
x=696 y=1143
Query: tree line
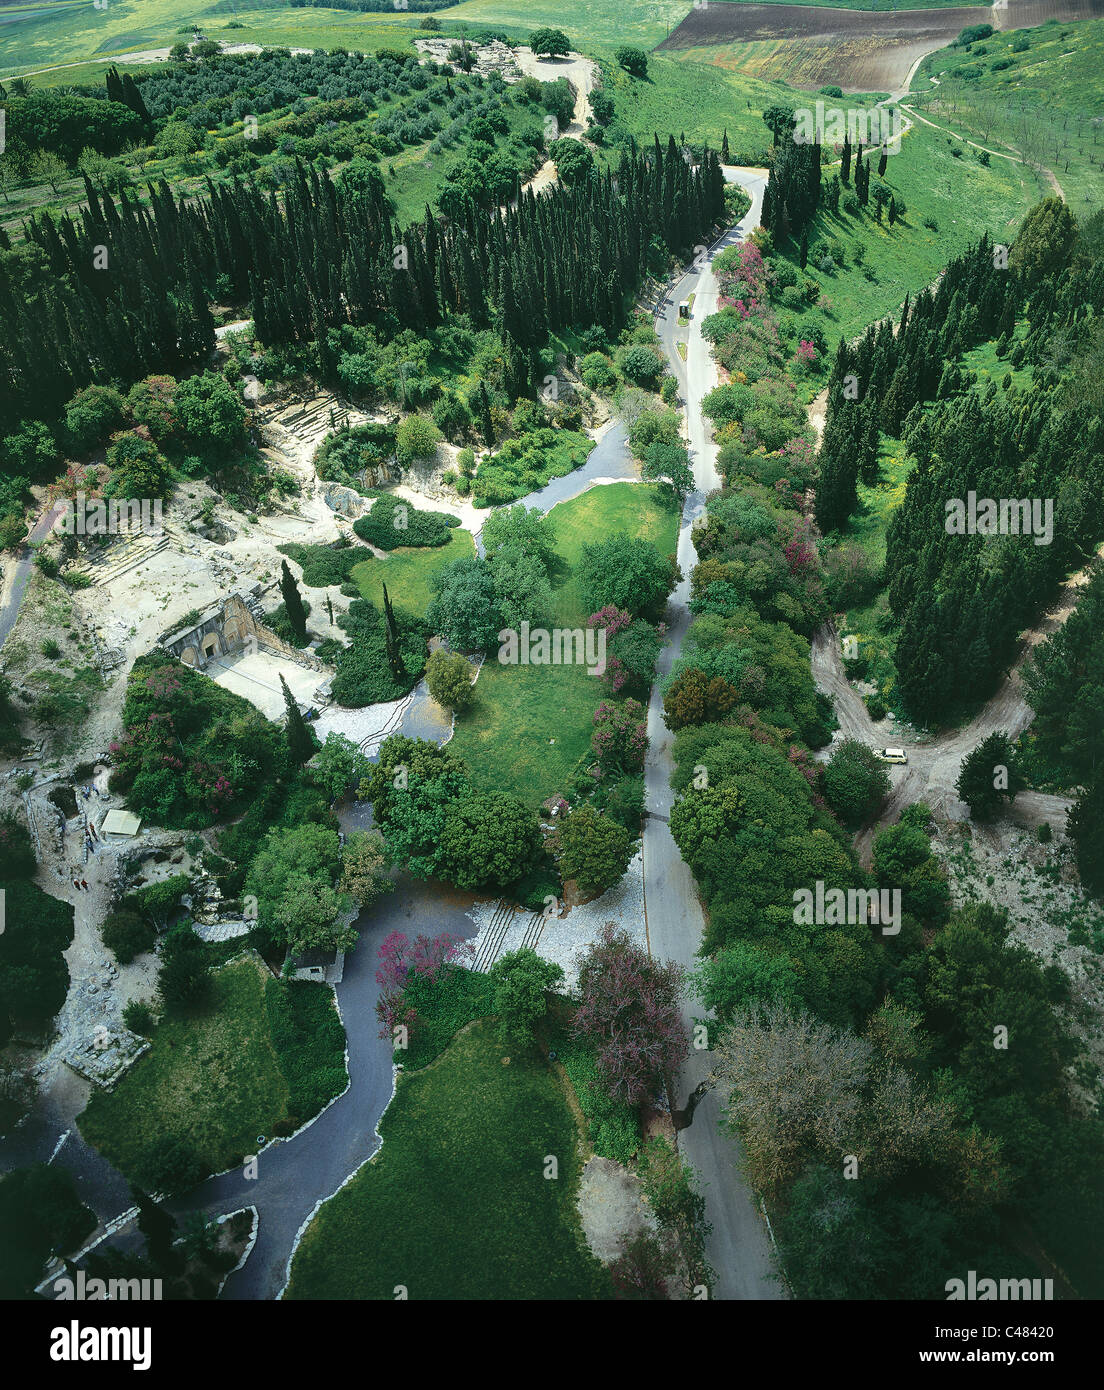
x=124 y=289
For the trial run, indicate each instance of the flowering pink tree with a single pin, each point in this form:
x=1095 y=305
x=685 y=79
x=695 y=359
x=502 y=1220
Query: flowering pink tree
x=813 y=772
x=620 y=737
x=611 y=619
x=799 y=548
x=629 y=1011
x=806 y=354
x=401 y=960
x=750 y=270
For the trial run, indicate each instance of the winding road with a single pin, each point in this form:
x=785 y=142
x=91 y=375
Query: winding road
x=739 y=1248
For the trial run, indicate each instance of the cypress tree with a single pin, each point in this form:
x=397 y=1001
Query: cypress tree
x=300 y=740
x=882 y=160
x=845 y=161
x=293 y=602
x=158 y=1226
x=391 y=639
x=486 y=423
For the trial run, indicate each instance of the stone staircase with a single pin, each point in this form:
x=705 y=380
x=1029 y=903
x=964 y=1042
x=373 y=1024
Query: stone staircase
x=491 y=946
x=310 y=420
x=123 y=554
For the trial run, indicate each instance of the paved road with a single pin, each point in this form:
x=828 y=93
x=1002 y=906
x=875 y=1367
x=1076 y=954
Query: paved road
x=739 y=1248
x=9 y=610
x=295 y=1175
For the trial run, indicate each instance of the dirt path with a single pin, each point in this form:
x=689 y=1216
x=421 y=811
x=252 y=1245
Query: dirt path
x=580 y=72
x=1014 y=158
x=934 y=762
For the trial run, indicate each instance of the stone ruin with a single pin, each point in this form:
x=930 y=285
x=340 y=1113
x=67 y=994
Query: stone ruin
x=105 y=1054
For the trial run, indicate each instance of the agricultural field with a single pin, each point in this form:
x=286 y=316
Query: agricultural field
x=528 y=729
x=55 y=34
x=809 y=46
x=591 y=25
x=860 y=48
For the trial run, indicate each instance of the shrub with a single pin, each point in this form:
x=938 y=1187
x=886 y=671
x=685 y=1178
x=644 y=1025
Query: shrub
x=416 y=438
x=323 y=565
x=139 y=1017
x=126 y=935
x=642 y=365
x=448 y=676
x=597 y=372
x=391 y=522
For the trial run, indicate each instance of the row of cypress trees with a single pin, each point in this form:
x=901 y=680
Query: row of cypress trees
x=124 y=289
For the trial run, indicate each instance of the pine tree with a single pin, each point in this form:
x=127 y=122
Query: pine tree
x=301 y=742
x=293 y=602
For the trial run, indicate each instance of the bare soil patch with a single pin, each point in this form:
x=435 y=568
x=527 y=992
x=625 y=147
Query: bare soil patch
x=859 y=50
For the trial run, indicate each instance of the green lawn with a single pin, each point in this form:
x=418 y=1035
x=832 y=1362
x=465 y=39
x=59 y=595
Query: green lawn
x=214 y=1080
x=456 y=1204
x=408 y=572
x=528 y=729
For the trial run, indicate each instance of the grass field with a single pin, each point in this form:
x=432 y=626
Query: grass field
x=74 y=33
x=456 y=1205
x=408 y=572
x=868 y=526
x=529 y=727
x=698 y=101
x=213 y=1079
x=1045 y=105
x=804 y=63
x=962 y=198
x=591 y=25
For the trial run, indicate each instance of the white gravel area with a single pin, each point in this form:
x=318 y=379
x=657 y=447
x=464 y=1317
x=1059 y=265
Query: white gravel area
x=367 y=727
x=565 y=939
